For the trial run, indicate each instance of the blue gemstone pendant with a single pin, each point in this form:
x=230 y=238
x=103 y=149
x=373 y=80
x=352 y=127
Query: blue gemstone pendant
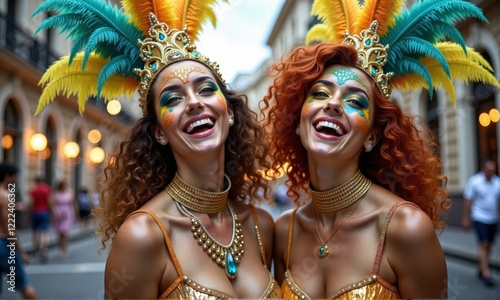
x=231 y=266
x=323 y=251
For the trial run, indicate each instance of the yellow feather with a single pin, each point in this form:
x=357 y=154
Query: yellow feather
x=319 y=32
x=194 y=13
x=139 y=12
x=465 y=68
x=337 y=15
x=61 y=79
x=384 y=11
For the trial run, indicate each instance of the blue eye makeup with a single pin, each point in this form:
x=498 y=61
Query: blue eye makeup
x=168 y=99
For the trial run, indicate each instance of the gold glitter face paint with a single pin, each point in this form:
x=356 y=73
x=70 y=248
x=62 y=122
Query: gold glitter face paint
x=221 y=99
x=181 y=73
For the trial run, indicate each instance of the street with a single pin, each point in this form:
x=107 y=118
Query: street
x=81 y=276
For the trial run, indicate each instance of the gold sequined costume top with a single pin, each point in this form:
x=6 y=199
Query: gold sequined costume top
x=185 y=288
x=371 y=287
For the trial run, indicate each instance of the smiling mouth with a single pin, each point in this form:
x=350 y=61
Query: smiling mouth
x=329 y=128
x=200 y=126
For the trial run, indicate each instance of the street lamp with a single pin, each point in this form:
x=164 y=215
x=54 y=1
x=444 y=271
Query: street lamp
x=38 y=142
x=71 y=149
x=94 y=136
x=114 y=107
x=96 y=155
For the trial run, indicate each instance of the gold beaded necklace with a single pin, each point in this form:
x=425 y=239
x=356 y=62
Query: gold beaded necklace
x=341 y=196
x=186 y=196
x=197 y=199
x=338 y=198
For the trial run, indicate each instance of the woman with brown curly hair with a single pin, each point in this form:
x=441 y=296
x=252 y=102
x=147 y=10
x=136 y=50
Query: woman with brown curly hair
x=176 y=201
x=365 y=164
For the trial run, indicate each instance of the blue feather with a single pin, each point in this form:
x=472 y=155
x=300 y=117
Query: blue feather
x=410 y=65
x=430 y=21
x=97 y=27
x=422 y=16
x=416 y=47
x=117 y=65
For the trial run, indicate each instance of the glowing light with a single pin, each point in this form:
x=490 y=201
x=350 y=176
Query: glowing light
x=114 y=107
x=96 y=155
x=494 y=115
x=484 y=119
x=38 y=142
x=94 y=136
x=7 y=142
x=71 y=149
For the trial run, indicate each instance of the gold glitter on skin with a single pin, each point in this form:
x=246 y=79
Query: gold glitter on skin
x=181 y=73
x=221 y=99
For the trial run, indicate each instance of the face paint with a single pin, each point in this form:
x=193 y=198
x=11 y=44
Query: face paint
x=306 y=107
x=345 y=74
x=181 y=73
x=220 y=96
x=166 y=116
x=360 y=107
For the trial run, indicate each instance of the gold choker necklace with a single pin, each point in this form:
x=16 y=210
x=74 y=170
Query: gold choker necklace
x=341 y=196
x=227 y=256
x=196 y=199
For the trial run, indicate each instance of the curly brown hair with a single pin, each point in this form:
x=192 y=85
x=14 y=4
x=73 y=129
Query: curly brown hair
x=403 y=161
x=142 y=167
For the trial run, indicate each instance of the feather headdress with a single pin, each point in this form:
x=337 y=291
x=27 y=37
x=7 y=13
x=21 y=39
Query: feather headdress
x=417 y=47
x=106 y=51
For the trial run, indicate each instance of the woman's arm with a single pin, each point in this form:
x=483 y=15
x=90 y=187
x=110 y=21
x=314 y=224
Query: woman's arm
x=136 y=260
x=280 y=246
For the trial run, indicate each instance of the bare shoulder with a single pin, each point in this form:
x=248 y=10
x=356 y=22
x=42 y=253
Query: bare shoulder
x=409 y=226
x=282 y=224
x=139 y=234
x=266 y=221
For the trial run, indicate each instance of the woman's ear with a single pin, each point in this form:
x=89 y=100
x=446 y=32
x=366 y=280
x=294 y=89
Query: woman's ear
x=159 y=135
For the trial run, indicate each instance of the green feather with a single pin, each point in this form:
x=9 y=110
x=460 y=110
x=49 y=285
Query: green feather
x=409 y=65
x=117 y=65
x=417 y=47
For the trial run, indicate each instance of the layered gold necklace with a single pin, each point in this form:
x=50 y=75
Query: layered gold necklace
x=186 y=196
x=336 y=199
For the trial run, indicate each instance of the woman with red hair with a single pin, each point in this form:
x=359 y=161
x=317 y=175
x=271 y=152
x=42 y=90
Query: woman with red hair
x=365 y=164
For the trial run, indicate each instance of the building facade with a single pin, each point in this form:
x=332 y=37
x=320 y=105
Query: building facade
x=59 y=143
x=466 y=133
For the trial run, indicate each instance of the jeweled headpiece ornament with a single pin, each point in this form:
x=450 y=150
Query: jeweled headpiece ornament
x=418 y=48
x=162 y=48
x=105 y=48
x=372 y=56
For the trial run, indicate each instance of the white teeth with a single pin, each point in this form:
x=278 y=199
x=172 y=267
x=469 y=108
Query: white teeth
x=192 y=126
x=331 y=125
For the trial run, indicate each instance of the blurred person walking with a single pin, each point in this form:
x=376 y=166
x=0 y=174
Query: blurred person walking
x=12 y=265
x=39 y=208
x=84 y=207
x=64 y=215
x=481 y=196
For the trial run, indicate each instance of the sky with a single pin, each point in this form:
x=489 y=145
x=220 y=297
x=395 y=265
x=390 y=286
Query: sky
x=238 y=43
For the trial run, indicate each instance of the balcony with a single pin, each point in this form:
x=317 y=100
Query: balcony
x=23 y=45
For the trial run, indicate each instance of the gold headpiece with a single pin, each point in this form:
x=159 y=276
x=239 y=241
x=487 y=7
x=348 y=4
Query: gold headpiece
x=372 y=56
x=162 y=48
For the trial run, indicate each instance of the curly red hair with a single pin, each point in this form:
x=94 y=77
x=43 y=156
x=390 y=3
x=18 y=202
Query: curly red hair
x=403 y=161
x=142 y=167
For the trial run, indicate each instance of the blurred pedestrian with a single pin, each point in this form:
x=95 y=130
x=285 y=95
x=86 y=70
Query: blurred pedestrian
x=481 y=196
x=39 y=209
x=64 y=215
x=84 y=206
x=12 y=265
